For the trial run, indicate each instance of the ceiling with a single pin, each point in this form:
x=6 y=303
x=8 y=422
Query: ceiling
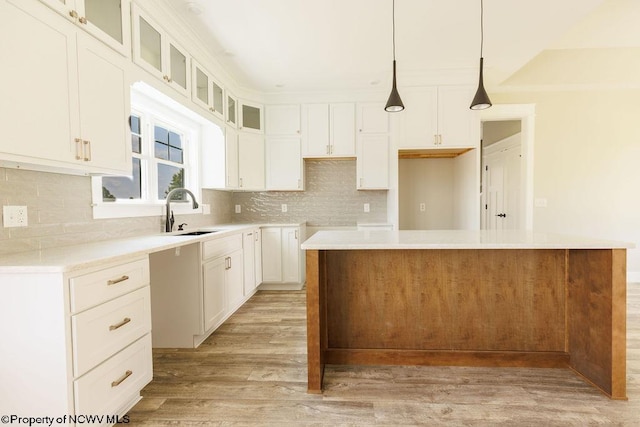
x=317 y=45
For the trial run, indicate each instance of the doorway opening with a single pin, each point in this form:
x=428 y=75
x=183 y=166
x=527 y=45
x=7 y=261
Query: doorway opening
x=507 y=167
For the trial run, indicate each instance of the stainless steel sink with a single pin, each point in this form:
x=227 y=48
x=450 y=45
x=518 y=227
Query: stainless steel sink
x=197 y=233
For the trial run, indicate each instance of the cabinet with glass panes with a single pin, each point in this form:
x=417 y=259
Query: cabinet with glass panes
x=107 y=20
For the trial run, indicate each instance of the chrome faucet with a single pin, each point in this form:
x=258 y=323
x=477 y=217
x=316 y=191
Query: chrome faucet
x=168 y=224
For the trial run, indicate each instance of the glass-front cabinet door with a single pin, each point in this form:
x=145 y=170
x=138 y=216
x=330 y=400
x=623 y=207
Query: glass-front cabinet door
x=218 y=98
x=250 y=117
x=206 y=92
x=147 y=44
x=107 y=20
x=155 y=52
x=178 y=68
x=232 y=110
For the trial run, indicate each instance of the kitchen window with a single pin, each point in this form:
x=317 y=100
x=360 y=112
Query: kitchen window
x=165 y=142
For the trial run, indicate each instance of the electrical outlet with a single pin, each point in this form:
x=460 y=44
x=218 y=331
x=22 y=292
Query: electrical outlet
x=238 y=209
x=14 y=216
x=423 y=207
x=284 y=207
x=366 y=207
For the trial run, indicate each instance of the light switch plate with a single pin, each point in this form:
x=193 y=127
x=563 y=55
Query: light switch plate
x=206 y=209
x=238 y=209
x=14 y=216
x=284 y=207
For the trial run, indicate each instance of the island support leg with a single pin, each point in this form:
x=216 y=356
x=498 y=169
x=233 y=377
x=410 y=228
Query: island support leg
x=316 y=319
x=596 y=323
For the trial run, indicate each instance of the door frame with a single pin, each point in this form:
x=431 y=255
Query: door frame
x=526 y=114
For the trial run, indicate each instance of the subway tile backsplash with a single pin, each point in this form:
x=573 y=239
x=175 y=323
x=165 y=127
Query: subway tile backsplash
x=60 y=213
x=330 y=199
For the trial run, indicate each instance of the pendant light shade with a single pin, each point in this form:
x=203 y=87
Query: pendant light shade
x=394 y=103
x=481 y=100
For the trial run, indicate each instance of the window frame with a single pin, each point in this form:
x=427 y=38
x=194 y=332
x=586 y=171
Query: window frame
x=155 y=108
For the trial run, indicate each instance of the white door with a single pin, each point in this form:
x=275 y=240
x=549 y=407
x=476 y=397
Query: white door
x=502 y=188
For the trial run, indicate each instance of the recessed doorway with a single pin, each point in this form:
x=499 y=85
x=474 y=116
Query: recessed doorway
x=507 y=167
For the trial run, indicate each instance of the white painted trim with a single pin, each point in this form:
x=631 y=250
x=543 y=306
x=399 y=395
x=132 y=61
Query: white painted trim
x=526 y=114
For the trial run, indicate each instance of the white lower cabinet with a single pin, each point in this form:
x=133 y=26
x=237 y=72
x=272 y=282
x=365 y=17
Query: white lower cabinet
x=83 y=344
x=213 y=291
x=252 y=259
x=282 y=260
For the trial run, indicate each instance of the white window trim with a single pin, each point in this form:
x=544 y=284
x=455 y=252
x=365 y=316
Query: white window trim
x=164 y=110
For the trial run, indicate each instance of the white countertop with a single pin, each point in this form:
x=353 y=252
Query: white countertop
x=70 y=258
x=453 y=239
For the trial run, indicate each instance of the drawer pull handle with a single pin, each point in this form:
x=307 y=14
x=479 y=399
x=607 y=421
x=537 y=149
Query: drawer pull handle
x=117 y=382
x=119 y=325
x=118 y=280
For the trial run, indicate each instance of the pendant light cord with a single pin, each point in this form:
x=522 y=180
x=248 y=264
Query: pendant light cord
x=481 y=26
x=393 y=26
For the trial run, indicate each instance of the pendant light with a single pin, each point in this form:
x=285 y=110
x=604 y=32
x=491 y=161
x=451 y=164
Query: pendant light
x=481 y=100
x=394 y=103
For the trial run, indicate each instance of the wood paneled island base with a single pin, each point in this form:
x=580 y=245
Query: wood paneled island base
x=538 y=307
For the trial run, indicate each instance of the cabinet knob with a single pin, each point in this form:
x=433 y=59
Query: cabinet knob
x=83 y=20
x=73 y=14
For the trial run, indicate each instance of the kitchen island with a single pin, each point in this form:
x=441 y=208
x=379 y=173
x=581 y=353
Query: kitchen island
x=467 y=298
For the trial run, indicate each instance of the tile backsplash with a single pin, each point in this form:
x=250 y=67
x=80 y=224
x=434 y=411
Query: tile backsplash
x=330 y=199
x=60 y=213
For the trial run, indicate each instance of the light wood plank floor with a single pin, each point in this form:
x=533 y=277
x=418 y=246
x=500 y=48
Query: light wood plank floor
x=252 y=371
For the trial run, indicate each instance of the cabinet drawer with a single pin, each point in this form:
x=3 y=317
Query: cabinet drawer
x=108 y=387
x=94 y=288
x=106 y=329
x=220 y=247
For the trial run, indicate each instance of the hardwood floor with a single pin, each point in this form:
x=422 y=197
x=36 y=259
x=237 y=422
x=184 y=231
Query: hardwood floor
x=252 y=371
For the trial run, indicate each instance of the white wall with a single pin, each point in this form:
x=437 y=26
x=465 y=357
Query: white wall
x=587 y=164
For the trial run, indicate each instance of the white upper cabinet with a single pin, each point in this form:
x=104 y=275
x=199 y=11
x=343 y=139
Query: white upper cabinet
x=342 y=123
x=206 y=91
x=372 y=160
x=108 y=20
x=284 y=164
x=372 y=166
x=251 y=117
x=328 y=130
x=154 y=51
x=251 y=162
x=67 y=120
x=232 y=110
x=104 y=108
x=372 y=118
x=437 y=117
x=283 y=120
x=231 y=158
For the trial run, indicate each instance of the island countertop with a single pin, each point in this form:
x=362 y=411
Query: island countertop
x=454 y=239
